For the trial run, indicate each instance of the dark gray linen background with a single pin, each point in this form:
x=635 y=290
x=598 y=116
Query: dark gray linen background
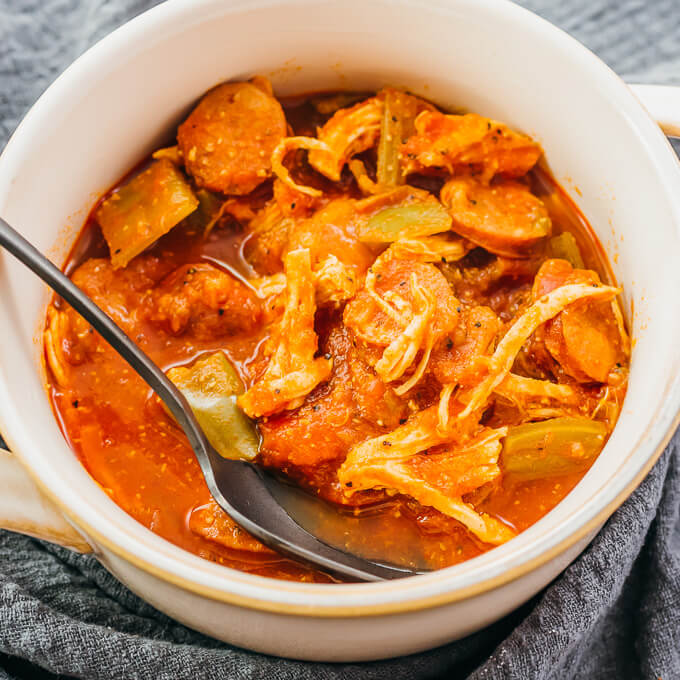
x=614 y=613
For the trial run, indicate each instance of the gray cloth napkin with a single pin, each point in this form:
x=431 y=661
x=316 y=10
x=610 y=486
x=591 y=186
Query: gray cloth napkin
x=614 y=613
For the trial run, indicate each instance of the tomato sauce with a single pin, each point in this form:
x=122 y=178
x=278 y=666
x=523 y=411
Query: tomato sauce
x=141 y=459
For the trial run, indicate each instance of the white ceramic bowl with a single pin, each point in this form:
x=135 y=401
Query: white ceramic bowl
x=121 y=99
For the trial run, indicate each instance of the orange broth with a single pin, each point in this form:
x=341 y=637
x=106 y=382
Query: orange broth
x=144 y=463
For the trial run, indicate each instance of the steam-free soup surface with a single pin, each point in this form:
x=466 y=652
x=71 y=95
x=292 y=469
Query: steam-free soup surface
x=395 y=309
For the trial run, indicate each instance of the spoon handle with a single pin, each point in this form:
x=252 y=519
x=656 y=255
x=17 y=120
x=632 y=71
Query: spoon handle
x=18 y=246
x=250 y=502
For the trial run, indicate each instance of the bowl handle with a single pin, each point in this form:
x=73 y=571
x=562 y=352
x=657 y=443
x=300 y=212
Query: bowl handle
x=25 y=509
x=663 y=104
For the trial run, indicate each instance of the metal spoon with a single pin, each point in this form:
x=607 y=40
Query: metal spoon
x=240 y=488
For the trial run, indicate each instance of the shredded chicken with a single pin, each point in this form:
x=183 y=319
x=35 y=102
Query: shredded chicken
x=69 y=341
x=404 y=307
x=402 y=351
x=542 y=310
x=348 y=132
x=541 y=399
x=443 y=407
x=284 y=147
x=365 y=183
x=57 y=327
x=523 y=390
x=268 y=286
x=453 y=142
x=335 y=282
x=418 y=434
x=437 y=248
x=292 y=371
x=396 y=461
x=384 y=307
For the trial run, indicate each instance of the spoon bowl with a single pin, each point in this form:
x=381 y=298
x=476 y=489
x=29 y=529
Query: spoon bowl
x=239 y=487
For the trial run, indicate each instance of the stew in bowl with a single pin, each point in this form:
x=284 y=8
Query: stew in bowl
x=394 y=307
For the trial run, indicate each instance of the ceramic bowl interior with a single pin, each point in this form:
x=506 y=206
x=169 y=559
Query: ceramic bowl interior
x=123 y=99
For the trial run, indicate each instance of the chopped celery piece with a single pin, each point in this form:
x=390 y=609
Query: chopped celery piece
x=389 y=170
x=552 y=447
x=564 y=247
x=211 y=386
x=405 y=221
x=144 y=209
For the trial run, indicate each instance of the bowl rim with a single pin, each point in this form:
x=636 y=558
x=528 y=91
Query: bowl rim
x=416 y=593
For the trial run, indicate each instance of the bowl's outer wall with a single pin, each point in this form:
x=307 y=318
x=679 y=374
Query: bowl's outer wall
x=124 y=97
x=341 y=639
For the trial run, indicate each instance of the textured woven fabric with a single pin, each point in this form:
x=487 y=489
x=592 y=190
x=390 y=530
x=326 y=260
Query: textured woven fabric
x=614 y=613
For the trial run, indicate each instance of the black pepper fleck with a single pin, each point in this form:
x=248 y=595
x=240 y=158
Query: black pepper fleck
x=220 y=312
x=75 y=403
